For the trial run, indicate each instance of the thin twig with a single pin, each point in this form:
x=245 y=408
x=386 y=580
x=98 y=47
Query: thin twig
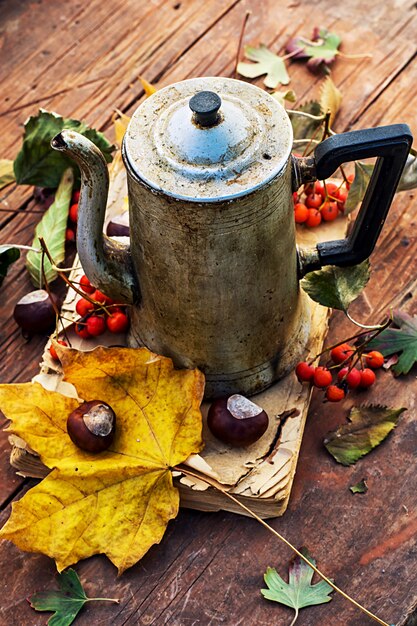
x=319 y=118
x=213 y=483
x=51 y=297
x=70 y=284
x=371 y=327
x=239 y=45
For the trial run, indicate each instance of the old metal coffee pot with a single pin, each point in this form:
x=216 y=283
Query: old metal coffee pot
x=212 y=271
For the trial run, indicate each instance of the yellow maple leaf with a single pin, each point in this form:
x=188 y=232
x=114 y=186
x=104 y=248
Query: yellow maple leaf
x=117 y=502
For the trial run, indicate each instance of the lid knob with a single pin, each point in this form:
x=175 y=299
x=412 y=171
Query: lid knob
x=205 y=106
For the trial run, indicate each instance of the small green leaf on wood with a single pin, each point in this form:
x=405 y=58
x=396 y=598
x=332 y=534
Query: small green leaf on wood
x=65 y=602
x=37 y=163
x=330 y=99
x=265 y=62
x=319 y=52
x=368 y=426
x=52 y=228
x=408 y=178
x=6 y=173
x=401 y=340
x=337 y=287
x=298 y=592
x=304 y=127
x=363 y=173
x=360 y=487
x=8 y=255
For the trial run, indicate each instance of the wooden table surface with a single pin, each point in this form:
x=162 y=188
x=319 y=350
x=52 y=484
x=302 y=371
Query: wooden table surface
x=82 y=59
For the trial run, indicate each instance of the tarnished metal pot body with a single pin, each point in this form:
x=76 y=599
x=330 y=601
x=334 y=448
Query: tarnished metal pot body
x=212 y=270
x=219 y=285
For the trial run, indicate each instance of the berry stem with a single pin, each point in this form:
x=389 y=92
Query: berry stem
x=379 y=328
x=51 y=298
x=70 y=283
x=326 y=130
x=214 y=484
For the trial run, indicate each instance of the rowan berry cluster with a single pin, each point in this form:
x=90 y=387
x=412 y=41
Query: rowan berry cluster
x=320 y=201
x=71 y=231
x=344 y=359
x=98 y=313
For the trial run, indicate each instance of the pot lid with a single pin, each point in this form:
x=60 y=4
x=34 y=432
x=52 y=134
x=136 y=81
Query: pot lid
x=208 y=139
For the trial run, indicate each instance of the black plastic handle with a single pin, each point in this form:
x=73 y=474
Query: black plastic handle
x=392 y=145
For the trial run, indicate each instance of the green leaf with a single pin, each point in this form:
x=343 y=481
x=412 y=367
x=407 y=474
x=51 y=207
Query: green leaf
x=6 y=172
x=360 y=487
x=363 y=173
x=320 y=51
x=265 y=62
x=66 y=602
x=305 y=127
x=336 y=287
x=37 y=163
x=367 y=427
x=298 y=592
x=52 y=228
x=408 y=178
x=401 y=340
x=8 y=255
x=324 y=47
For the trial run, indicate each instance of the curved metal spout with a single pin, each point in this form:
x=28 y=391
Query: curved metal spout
x=107 y=263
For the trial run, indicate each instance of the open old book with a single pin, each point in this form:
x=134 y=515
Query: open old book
x=260 y=475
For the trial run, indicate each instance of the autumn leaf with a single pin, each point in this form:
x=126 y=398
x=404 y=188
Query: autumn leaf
x=117 y=502
x=401 y=340
x=37 y=163
x=330 y=98
x=6 y=173
x=265 y=62
x=65 y=602
x=51 y=228
x=368 y=426
x=120 y=124
x=304 y=127
x=284 y=96
x=298 y=592
x=320 y=51
x=408 y=178
x=148 y=88
x=336 y=287
x=363 y=173
x=360 y=487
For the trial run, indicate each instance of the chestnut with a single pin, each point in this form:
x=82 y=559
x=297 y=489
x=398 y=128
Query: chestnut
x=91 y=426
x=119 y=226
x=35 y=313
x=237 y=421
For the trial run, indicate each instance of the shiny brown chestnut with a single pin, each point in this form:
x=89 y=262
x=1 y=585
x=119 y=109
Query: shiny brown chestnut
x=237 y=421
x=92 y=425
x=35 y=312
x=119 y=226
